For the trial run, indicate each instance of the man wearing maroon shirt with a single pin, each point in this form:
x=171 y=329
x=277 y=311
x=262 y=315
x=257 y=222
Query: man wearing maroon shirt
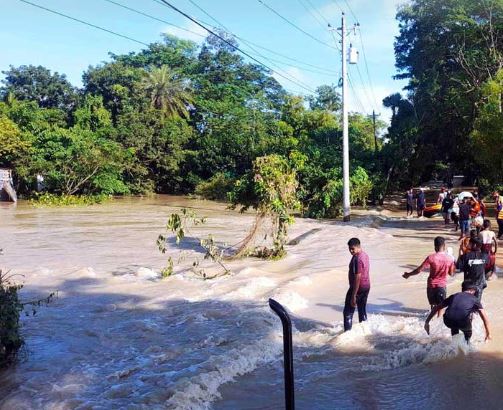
x=359 y=284
x=440 y=264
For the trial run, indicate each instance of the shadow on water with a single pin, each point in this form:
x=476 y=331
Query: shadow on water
x=119 y=350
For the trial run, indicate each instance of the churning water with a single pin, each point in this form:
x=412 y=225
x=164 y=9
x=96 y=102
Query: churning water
x=120 y=337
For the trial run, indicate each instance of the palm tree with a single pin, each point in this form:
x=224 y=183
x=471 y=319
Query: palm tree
x=167 y=91
x=392 y=101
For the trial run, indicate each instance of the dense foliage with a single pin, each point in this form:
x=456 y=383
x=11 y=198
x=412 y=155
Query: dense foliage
x=173 y=118
x=450 y=120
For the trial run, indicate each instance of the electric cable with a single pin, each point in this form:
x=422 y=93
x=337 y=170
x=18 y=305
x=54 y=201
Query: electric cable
x=233 y=46
x=85 y=22
x=295 y=25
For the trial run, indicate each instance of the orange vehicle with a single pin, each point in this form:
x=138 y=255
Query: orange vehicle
x=429 y=211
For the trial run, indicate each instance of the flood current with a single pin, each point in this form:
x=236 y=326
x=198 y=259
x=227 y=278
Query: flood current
x=119 y=337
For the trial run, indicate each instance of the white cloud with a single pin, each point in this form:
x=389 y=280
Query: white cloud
x=190 y=31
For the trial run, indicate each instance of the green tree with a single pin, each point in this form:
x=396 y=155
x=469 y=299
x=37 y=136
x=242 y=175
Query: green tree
x=14 y=144
x=167 y=91
x=78 y=161
x=488 y=134
x=326 y=98
x=92 y=115
x=447 y=49
x=36 y=83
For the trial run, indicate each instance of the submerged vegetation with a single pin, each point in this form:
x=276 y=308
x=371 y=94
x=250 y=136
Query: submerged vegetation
x=46 y=200
x=11 y=307
x=177 y=227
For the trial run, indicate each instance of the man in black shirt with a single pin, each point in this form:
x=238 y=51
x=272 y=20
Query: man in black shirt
x=473 y=265
x=447 y=205
x=460 y=309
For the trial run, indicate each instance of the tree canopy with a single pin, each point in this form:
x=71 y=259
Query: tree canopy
x=448 y=50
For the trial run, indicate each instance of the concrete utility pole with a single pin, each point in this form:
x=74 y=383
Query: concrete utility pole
x=375 y=131
x=345 y=131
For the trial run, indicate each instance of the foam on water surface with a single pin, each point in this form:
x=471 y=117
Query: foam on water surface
x=120 y=337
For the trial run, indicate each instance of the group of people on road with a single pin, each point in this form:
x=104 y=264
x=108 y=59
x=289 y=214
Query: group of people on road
x=461 y=306
x=476 y=260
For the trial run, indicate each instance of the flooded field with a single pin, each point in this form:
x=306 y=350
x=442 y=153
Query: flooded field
x=119 y=337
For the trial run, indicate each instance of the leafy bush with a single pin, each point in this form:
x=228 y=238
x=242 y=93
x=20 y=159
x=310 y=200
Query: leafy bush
x=361 y=186
x=216 y=188
x=271 y=189
x=178 y=226
x=11 y=307
x=327 y=202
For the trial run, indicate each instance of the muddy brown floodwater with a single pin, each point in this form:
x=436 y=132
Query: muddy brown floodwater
x=120 y=337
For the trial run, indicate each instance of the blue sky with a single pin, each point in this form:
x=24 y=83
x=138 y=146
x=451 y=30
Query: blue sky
x=33 y=36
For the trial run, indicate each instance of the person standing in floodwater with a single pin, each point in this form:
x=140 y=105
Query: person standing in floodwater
x=359 y=284
x=473 y=264
x=420 y=202
x=409 y=197
x=440 y=264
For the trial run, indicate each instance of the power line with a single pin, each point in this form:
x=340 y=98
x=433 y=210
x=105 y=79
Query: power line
x=369 y=100
x=263 y=48
x=367 y=70
x=311 y=13
x=154 y=18
x=375 y=101
x=357 y=98
x=318 y=70
x=232 y=45
x=338 y=5
x=229 y=32
x=295 y=26
x=317 y=12
x=328 y=71
x=351 y=10
x=84 y=22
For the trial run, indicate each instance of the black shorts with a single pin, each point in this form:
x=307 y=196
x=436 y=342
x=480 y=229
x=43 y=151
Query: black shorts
x=465 y=325
x=436 y=295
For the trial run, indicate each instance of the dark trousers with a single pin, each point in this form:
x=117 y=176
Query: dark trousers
x=455 y=326
x=500 y=227
x=361 y=304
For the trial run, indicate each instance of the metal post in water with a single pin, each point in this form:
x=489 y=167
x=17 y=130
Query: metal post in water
x=287 y=352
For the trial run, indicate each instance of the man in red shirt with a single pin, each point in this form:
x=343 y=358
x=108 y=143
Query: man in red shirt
x=440 y=264
x=359 y=284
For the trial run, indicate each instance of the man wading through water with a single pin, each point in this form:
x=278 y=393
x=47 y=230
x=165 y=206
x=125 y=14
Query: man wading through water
x=359 y=284
x=460 y=309
x=440 y=264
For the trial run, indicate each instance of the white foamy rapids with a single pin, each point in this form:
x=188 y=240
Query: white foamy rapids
x=147 y=274
x=199 y=391
x=291 y=300
x=388 y=343
x=303 y=281
x=255 y=287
